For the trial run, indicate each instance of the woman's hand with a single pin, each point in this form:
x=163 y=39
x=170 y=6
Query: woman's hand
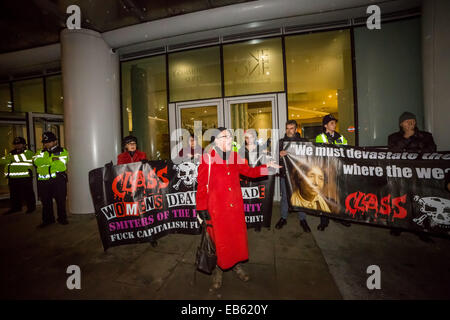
x=274 y=165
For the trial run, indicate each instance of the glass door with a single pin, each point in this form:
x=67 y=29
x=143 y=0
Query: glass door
x=199 y=116
x=252 y=112
x=261 y=113
x=39 y=123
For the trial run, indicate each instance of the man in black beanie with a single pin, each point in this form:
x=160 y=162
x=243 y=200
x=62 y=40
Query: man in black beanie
x=409 y=138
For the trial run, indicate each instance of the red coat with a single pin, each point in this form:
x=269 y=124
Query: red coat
x=225 y=205
x=125 y=157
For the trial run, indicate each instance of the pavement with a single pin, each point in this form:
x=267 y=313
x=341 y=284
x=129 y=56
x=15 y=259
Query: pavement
x=285 y=264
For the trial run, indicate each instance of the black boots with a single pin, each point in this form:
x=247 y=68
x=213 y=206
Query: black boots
x=305 y=226
x=280 y=224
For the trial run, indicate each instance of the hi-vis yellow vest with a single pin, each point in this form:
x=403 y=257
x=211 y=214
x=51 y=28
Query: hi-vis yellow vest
x=322 y=138
x=48 y=166
x=18 y=165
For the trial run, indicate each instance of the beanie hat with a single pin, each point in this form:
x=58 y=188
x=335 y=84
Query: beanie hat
x=406 y=116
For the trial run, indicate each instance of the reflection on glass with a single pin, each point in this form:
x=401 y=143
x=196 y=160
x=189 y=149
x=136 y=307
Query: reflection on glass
x=319 y=78
x=207 y=115
x=144 y=105
x=195 y=74
x=252 y=115
x=389 y=78
x=5 y=98
x=7 y=134
x=54 y=94
x=252 y=67
x=29 y=95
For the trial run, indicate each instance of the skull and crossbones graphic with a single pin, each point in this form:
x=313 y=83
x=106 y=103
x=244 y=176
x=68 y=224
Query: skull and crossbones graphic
x=437 y=209
x=186 y=173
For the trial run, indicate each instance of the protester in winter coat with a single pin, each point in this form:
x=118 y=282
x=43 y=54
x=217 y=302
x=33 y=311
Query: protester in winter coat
x=409 y=138
x=290 y=135
x=219 y=202
x=131 y=153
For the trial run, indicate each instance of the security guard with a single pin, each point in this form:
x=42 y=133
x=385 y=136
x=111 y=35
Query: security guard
x=51 y=163
x=330 y=136
x=18 y=170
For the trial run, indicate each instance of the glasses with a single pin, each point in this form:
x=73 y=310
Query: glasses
x=132 y=143
x=224 y=137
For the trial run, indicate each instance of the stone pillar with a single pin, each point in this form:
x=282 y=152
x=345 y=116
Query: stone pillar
x=91 y=77
x=436 y=69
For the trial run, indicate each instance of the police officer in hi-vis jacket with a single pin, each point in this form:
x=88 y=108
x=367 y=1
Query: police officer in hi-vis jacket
x=330 y=136
x=18 y=170
x=51 y=163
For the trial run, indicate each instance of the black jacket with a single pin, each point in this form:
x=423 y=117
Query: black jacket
x=421 y=141
x=296 y=137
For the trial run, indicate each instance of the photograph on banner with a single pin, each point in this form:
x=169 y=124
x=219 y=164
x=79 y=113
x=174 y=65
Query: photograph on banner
x=379 y=187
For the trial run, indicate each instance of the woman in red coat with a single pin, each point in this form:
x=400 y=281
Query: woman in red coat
x=221 y=203
x=131 y=153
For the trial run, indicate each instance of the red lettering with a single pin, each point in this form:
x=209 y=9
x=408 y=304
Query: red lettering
x=125 y=186
x=114 y=186
x=165 y=182
x=351 y=202
x=370 y=202
x=359 y=202
x=385 y=207
x=120 y=212
x=140 y=181
x=158 y=201
x=262 y=191
x=399 y=211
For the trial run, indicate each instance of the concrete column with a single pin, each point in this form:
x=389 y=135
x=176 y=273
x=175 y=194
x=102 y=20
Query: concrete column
x=90 y=72
x=436 y=69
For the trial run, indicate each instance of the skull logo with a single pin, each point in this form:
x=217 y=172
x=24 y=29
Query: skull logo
x=437 y=209
x=186 y=173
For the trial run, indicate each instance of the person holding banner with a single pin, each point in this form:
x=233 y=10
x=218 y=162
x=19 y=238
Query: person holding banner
x=193 y=151
x=290 y=135
x=330 y=136
x=219 y=202
x=253 y=153
x=132 y=154
x=410 y=139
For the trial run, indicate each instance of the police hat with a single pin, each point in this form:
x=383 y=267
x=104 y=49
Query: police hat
x=48 y=137
x=19 y=140
x=328 y=118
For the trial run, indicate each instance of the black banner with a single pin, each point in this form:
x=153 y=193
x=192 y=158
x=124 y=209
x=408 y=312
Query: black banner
x=144 y=201
x=258 y=200
x=403 y=190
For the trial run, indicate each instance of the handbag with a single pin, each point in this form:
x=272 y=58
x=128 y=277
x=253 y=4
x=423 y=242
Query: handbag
x=205 y=258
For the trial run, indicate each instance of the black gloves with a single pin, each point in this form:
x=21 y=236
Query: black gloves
x=203 y=214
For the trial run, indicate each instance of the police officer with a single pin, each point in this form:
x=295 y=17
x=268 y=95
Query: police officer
x=18 y=170
x=51 y=163
x=330 y=136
